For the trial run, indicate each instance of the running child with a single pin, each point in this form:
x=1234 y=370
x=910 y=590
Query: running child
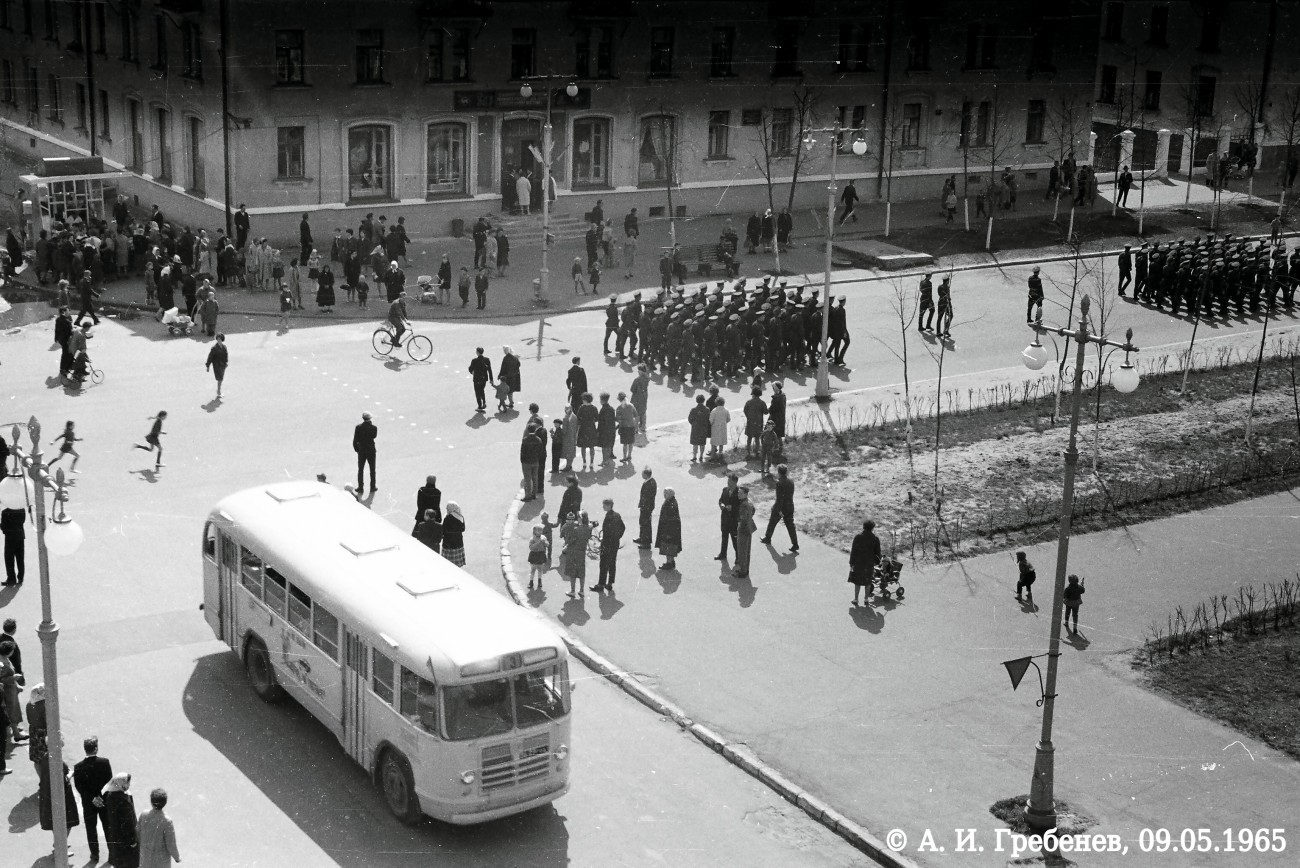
x=68 y=437
x=154 y=437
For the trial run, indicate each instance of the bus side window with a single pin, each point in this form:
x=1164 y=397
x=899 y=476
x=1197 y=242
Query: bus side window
x=300 y=610
x=209 y=541
x=382 y=682
x=325 y=630
x=274 y=591
x=250 y=570
x=419 y=702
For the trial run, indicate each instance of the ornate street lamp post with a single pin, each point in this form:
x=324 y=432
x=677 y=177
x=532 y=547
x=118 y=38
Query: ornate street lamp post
x=526 y=91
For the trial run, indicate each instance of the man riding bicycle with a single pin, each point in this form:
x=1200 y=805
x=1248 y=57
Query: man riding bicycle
x=397 y=317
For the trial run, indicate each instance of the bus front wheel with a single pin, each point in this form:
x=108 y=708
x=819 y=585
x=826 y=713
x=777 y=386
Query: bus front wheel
x=398 y=787
x=257 y=663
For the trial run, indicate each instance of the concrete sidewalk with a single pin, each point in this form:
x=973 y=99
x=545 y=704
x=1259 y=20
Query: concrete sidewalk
x=900 y=714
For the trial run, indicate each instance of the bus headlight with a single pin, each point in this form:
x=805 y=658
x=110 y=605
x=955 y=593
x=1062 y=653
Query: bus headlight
x=467 y=778
x=562 y=752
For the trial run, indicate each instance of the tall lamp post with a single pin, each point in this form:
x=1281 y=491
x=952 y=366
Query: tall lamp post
x=859 y=148
x=22 y=487
x=1040 y=812
x=526 y=91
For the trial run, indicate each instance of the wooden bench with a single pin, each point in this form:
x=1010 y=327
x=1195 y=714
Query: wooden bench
x=705 y=257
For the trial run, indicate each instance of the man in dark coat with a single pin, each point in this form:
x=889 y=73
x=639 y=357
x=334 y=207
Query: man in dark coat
x=90 y=776
x=576 y=381
x=863 y=558
x=12 y=524
x=304 y=239
x=531 y=456
x=428 y=497
x=837 y=330
x=363 y=443
x=394 y=280
x=611 y=536
x=606 y=429
x=480 y=369
x=728 y=504
x=87 y=292
x=62 y=334
x=612 y=320
x=646 y=507
x=571 y=500
x=776 y=409
x=783 y=508
x=241 y=227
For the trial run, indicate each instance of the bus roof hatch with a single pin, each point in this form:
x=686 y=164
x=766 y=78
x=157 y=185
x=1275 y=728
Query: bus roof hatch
x=419 y=586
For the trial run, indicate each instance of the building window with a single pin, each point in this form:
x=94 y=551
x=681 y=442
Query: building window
x=55 y=96
x=967 y=118
x=661 y=52
x=33 y=91
x=164 y=119
x=83 y=110
x=290 y=67
x=191 y=50
x=160 y=43
x=370 y=162
x=10 y=94
x=918 y=47
x=447 y=161
x=1151 y=97
x=130 y=35
x=1211 y=25
x=984 y=125
x=658 y=149
x=1035 y=121
x=370 y=56
x=135 y=122
x=721 y=52
x=853 y=119
x=198 y=175
x=751 y=117
x=103 y=120
x=101 y=28
x=719 y=134
x=448 y=55
x=785 y=59
x=523 y=52
x=854 y=48
x=591 y=152
x=51 y=21
x=1159 y=34
x=1114 y=26
x=290 y=148
x=911 y=130
x=1109 y=77
x=981 y=46
x=594 y=52
x=6 y=23
x=1041 y=45
x=782 y=131
x=76 y=43
x=1205 y=95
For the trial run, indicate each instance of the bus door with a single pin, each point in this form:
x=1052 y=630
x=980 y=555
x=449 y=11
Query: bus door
x=228 y=571
x=355 y=683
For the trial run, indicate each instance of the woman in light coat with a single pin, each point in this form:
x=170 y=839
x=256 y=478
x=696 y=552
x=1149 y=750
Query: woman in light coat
x=719 y=417
x=206 y=260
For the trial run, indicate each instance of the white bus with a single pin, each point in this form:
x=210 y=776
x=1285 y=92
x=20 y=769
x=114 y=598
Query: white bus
x=453 y=698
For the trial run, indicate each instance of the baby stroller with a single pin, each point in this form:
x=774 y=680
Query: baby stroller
x=177 y=323
x=428 y=289
x=887 y=573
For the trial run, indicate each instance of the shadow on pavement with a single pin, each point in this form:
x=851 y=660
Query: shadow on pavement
x=26 y=811
x=296 y=763
x=867 y=618
x=669 y=580
x=741 y=586
x=211 y=406
x=609 y=604
x=574 y=613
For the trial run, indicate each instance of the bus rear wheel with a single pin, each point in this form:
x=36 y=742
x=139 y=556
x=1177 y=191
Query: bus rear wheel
x=257 y=663
x=398 y=788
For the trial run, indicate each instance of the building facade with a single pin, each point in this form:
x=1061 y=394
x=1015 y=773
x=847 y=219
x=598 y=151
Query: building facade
x=415 y=106
x=1214 y=75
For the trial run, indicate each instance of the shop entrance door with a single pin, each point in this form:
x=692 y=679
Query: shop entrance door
x=518 y=138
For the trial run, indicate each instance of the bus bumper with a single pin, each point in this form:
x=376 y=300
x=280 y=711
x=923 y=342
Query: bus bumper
x=467 y=813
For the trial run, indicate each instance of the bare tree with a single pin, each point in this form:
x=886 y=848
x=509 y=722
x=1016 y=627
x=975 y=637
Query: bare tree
x=1286 y=120
x=782 y=139
x=993 y=134
x=1197 y=120
x=1067 y=129
x=1248 y=96
x=904 y=304
x=1105 y=296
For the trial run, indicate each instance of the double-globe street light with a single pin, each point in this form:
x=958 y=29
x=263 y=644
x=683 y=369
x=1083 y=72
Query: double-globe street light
x=526 y=91
x=1040 y=811
x=859 y=148
x=23 y=487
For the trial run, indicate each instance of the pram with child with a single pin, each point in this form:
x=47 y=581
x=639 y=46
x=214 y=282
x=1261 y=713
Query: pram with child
x=177 y=323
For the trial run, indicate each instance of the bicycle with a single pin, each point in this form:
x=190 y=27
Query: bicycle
x=94 y=374
x=418 y=347
x=593 y=544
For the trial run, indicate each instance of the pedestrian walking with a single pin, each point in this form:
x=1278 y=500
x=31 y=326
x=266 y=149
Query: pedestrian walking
x=157 y=834
x=925 y=305
x=1126 y=270
x=646 y=506
x=728 y=504
x=154 y=437
x=1125 y=183
x=1027 y=576
x=668 y=539
x=626 y=419
x=783 y=508
x=719 y=418
x=568 y=438
x=530 y=457
x=640 y=394
x=480 y=371
x=69 y=437
x=945 y=308
x=588 y=430
x=1036 y=296
x=428 y=530
x=89 y=777
x=1073 y=599
x=218 y=360
x=453 y=534
x=612 y=322
x=611 y=538
x=363 y=443
x=700 y=427
x=508 y=370
x=120 y=825
x=863 y=557
x=579 y=277
x=606 y=429
x=849 y=199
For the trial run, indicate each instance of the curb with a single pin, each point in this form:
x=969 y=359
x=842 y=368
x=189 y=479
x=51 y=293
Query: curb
x=737 y=754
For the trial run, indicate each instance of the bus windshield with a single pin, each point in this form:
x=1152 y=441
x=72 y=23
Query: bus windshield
x=498 y=706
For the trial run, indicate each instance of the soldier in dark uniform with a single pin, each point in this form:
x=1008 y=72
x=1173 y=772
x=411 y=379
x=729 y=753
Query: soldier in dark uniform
x=1036 y=296
x=611 y=322
x=795 y=346
x=925 y=310
x=1140 y=272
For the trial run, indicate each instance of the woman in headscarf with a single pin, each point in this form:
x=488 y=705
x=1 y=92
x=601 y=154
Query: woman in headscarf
x=669 y=538
x=576 y=533
x=453 y=534
x=508 y=370
x=745 y=527
x=325 y=291
x=768 y=230
x=205 y=254
x=119 y=823
x=570 y=445
x=37 y=747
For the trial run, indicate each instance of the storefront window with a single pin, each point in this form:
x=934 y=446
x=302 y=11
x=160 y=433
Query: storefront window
x=658 y=149
x=370 y=170
x=591 y=152
x=446 y=159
